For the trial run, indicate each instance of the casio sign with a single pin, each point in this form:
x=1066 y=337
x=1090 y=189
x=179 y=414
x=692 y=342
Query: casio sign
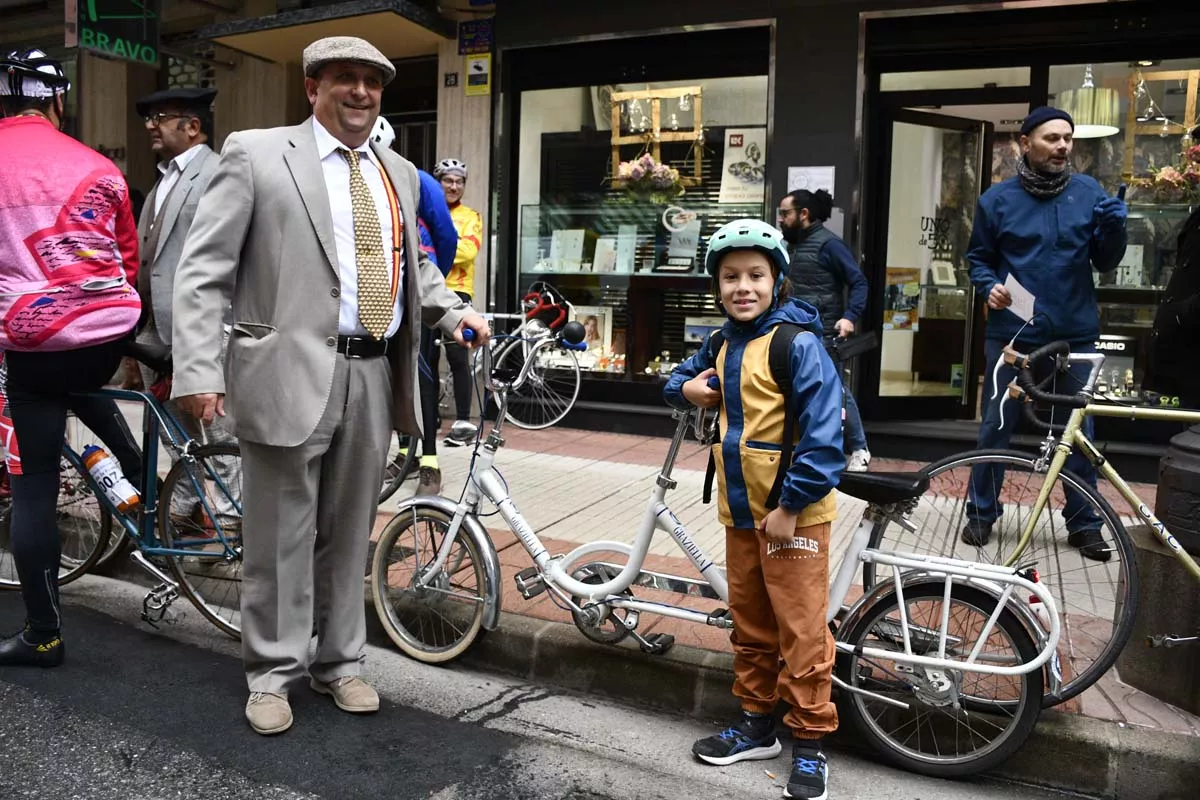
x=1113 y=347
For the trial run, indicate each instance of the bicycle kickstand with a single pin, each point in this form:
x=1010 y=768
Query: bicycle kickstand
x=1170 y=640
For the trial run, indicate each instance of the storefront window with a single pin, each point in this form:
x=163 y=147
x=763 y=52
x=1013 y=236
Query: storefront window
x=1142 y=113
x=953 y=79
x=616 y=219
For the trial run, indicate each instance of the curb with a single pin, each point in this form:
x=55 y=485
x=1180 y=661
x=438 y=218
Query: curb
x=1066 y=751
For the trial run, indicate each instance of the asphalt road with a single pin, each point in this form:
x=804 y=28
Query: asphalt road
x=140 y=714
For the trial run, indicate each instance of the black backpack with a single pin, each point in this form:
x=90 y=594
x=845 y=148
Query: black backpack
x=779 y=357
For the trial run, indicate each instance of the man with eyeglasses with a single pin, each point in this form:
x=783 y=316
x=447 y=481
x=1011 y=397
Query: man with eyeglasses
x=179 y=123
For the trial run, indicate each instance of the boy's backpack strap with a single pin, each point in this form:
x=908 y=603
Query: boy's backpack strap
x=715 y=342
x=779 y=356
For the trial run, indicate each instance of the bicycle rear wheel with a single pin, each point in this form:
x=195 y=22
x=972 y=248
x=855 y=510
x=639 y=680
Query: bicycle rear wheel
x=440 y=621
x=959 y=722
x=201 y=514
x=550 y=390
x=400 y=465
x=84 y=529
x=1097 y=600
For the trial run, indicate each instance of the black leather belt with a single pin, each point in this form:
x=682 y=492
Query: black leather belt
x=362 y=346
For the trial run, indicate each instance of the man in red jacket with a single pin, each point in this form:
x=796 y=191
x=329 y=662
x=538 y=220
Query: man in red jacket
x=68 y=259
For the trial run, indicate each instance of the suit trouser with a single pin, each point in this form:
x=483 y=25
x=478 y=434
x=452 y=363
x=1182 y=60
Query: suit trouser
x=327 y=487
x=215 y=432
x=782 y=647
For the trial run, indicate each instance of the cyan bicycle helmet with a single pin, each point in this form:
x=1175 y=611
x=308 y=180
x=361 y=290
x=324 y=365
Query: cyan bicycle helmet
x=32 y=75
x=383 y=134
x=450 y=166
x=748 y=234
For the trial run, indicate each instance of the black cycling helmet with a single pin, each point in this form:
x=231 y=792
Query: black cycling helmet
x=32 y=75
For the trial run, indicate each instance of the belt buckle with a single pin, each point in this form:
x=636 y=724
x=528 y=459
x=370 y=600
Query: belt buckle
x=351 y=349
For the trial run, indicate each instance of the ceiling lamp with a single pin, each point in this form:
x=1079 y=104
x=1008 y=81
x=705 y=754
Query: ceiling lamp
x=1096 y=112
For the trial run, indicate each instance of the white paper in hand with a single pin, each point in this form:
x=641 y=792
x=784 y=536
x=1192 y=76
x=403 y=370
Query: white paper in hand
x=1022 y=300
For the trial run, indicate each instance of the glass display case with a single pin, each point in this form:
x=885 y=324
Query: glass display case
x=634 y=275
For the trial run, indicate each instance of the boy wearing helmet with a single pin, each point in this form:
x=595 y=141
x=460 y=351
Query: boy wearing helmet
x=461 y=280
x=777 y=558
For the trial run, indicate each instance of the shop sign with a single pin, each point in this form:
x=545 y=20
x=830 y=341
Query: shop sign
x=479 y=75
x=475 y=36
x=745 y=166
x=121 y=29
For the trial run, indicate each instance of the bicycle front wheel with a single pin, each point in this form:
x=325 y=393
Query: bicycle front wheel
x=437 y=622
x=958 y=722
x=200 y=514
x=1097 y=600
x=550 y=390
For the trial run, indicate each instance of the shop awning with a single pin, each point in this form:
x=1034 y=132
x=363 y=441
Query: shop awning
x=398 y=28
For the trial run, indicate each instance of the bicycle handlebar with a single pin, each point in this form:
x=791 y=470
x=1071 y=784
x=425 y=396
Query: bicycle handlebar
x=1030 y=387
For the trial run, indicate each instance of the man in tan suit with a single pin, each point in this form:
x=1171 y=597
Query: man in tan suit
x=313 y=234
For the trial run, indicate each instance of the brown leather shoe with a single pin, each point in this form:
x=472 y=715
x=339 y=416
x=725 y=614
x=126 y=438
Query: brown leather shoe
x=430 y=481
x=350 y=693
x=268 y=713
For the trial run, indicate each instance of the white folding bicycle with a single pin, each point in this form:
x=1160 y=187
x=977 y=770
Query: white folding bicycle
x=942 y=667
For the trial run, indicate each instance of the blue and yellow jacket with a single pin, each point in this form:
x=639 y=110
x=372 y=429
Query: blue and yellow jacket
x=752 y=409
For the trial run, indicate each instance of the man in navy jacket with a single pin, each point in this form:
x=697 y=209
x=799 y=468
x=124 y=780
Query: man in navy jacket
x=1047 y=228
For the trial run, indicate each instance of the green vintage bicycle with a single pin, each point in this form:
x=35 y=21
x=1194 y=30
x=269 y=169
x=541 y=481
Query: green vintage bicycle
x=1053 y=517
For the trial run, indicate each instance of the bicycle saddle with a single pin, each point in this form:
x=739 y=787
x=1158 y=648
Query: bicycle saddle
x=156 y=357
x=884 y=488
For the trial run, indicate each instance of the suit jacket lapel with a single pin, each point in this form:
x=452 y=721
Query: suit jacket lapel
x=177 y=197
x=301 y=158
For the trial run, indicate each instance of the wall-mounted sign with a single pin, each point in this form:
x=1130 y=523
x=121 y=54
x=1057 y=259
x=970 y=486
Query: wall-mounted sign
x=479 y=74
x=449 y=79
x=123 y=29
x=475 y=36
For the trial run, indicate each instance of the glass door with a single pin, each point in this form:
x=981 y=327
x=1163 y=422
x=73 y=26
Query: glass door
x=937 y=167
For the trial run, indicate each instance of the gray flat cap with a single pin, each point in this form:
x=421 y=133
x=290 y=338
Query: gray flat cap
x=345 y=48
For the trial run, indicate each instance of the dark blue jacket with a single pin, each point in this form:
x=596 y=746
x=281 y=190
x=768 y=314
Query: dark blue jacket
x=432 y=208
x=1050 y=245
x=752 y=410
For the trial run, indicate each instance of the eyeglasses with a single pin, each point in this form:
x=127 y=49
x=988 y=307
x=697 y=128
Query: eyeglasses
x=783 y=213
x=453 y=182
x=155 y=120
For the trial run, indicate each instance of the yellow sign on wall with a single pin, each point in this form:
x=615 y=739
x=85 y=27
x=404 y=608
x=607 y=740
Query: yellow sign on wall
x=479 y=74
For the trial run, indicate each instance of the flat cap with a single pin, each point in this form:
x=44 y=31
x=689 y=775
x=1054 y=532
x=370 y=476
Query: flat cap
x=346 y=48
x=195 y=99
x=1043 y=114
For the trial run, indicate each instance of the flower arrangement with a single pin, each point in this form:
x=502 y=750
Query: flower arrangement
x=646 y=180
x=1171 y=184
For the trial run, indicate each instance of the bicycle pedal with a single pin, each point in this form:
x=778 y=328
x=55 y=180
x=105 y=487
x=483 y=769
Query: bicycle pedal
x=721 y=618
x=657 y=644
x=529 y=582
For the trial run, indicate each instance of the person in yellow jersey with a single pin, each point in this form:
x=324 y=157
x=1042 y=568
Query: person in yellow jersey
x=452 y=174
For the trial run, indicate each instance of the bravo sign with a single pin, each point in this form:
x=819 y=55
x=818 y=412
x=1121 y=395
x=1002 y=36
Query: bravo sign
x=123 y=29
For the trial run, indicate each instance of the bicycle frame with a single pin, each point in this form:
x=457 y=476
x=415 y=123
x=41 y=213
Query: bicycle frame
x=1073 y=436
x=142 y=524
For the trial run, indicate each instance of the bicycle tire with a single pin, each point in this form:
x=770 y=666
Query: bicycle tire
x=1022 y=714
x=398 y=469
x=75 y=493
x=1081 y=640
x=548 y=394
x=402 y=612
x=210 y=566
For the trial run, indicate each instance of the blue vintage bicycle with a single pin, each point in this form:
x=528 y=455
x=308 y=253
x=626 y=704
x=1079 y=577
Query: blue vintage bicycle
x=185 y=532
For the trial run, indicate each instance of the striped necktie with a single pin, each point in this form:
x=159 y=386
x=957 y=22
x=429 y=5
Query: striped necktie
x=375 y=306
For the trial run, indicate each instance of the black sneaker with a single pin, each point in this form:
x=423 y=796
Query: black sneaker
x=1091 y=544
x=751 y=737
x=976 y=533
x=18 y=651
x=810 y=770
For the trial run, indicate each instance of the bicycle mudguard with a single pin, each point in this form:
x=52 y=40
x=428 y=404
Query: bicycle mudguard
x=487 y=551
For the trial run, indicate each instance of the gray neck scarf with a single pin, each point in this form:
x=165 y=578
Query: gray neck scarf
x=1042 y=184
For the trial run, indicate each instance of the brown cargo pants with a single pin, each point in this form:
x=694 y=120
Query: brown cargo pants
x=782 y=646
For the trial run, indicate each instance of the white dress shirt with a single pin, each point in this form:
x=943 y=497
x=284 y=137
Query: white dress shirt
x=337 y=183
x=171 y=171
